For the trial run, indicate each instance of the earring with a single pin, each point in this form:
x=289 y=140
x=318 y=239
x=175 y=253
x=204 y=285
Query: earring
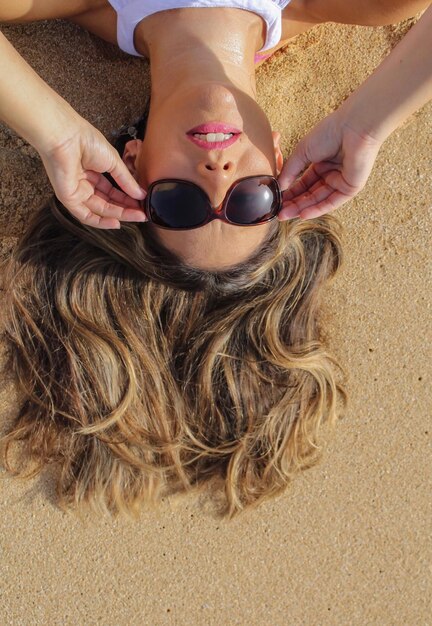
x=126 y=130
x=132 y=131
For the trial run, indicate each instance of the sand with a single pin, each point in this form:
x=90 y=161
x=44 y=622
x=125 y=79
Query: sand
x=349 y=542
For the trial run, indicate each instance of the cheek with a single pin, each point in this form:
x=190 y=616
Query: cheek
x=150 y=170
x=146 y=163
x=162 y=159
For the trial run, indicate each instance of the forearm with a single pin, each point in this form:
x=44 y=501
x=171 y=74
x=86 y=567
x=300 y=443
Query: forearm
x=400 y=85
x=27 y=104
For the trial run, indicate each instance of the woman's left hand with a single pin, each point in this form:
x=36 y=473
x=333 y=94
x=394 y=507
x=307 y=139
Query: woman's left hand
x=334 y=161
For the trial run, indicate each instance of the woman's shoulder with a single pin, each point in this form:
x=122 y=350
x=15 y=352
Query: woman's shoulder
x=101 y=21
x=19 y=12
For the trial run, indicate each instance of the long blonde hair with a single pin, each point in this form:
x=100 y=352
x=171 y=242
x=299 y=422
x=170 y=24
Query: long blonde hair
x=142 y=377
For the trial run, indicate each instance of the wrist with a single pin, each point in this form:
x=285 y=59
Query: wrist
x=398 y=87
x=28 y=105
x=360 y=113
x=53 y=123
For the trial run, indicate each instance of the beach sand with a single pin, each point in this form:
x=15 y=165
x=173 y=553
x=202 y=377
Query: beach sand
x=349 y=541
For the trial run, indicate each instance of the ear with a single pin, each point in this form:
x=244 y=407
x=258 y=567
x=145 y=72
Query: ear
x=278 y=152
x=131 y=154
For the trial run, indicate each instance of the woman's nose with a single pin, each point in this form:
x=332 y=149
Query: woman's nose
x=216 y=175
x=214 y=169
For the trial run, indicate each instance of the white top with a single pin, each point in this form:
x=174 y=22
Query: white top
x=131 y=12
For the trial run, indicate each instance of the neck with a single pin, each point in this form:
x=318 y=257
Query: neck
x=189 y=47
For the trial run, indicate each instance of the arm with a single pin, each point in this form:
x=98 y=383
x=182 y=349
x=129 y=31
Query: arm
x=27 y=104
x=335 y=159
x=400 y=85
x=74 y=153
x=21 y=11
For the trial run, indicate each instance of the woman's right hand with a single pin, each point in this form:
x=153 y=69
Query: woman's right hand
x=75 y=165
x=334 y=160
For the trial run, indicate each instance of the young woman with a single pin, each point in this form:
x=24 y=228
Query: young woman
x=204 y=72
x=152 y=357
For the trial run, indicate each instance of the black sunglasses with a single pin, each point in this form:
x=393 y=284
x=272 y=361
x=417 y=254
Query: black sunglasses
x=180 y=204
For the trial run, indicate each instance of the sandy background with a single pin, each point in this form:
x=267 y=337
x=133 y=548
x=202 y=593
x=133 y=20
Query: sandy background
x=350 y=542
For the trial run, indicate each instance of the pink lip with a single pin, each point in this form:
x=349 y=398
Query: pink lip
x=213 y=127
x=216 y=145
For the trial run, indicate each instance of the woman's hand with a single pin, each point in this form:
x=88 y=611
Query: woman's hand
x=336 y=160
x=75 y=165
x=73 y=152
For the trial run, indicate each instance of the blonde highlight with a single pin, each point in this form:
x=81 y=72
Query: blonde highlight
x=141 y=376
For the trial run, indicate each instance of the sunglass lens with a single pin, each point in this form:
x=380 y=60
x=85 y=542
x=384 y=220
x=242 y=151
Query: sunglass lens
x=178 y=205
x=253 y=200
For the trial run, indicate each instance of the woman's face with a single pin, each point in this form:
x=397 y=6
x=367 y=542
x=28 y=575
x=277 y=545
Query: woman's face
x=166 y=152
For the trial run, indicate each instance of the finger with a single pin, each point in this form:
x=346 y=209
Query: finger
x=288 y=212
x=131 y=203
x=103 y=207
x=312 y=198
x=119 y=197
x=312 y=176
x=72 y=198
x=124 y=178
x=133 y=215
x=309 y=178
x=108 y=191
x=324 y=172
x=98 y=180
x=125 y=202
x=86 y=216
x=103 y=223
x=338 y=181
x=81 y=213
x=115 y=196
x=318 y=185
x=130 y=206
x=106 y=208
x=295 y=164
x=328 y=205
x=95 y=211
x=326 y=166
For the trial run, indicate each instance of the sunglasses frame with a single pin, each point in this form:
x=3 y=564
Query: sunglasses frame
x=213 y=213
